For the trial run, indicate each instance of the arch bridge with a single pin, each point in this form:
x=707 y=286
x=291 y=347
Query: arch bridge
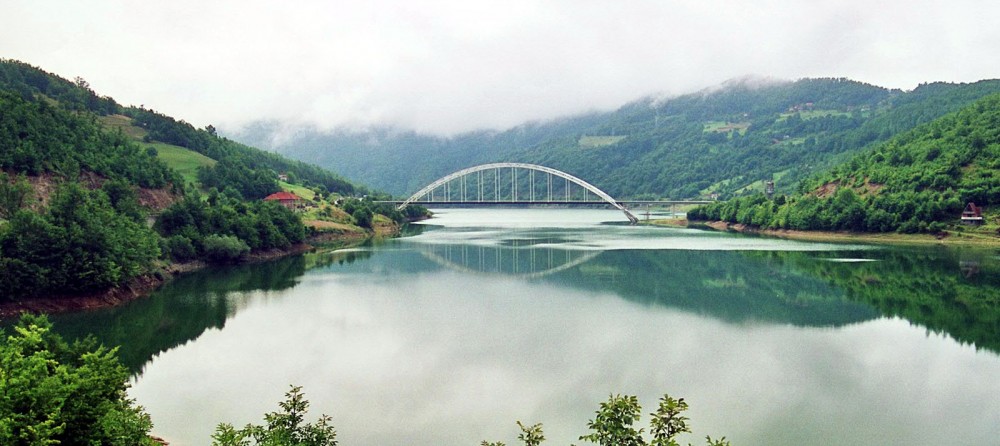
x=497 y=183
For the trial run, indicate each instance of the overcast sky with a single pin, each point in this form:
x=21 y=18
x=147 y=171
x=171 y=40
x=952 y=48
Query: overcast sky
x=450 y=66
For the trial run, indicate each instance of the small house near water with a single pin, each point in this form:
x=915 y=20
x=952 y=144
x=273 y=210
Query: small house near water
x=972 y=215
x=286 y=199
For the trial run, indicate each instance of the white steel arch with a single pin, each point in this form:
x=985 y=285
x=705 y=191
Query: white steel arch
x=445 y=179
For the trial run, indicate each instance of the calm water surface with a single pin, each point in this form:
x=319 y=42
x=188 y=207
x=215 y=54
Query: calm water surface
x=486 y=317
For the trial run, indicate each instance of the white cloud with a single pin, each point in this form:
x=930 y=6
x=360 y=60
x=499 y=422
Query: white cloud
x=446 y=66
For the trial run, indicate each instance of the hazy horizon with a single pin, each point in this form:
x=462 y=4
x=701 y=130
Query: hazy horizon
x=448 y=67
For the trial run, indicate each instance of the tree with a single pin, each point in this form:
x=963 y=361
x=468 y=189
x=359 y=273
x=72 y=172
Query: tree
x=81 y=243
x=52 y=392
x=224 y=248
x=531 y=435
x=281 y=428
x=13 y=195
x=667 y=421
x=363 y=216
x=613 y=424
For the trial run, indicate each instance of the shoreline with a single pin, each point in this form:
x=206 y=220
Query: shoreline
x=144 y=285
x=953 y=238
x=134 y=289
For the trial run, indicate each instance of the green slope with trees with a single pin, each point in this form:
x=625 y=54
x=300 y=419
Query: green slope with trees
x=248 y=170
x=725 y=141
x=920 y=181
x=82 y=177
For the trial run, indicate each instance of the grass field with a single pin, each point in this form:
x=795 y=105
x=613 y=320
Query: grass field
x=185 y=162
x=593 y=142
x=123 y=123
x=301 y=191
x=725 y=127
x=812 y=114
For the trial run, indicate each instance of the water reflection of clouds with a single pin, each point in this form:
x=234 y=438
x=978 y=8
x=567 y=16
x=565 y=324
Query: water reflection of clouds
x=848 y=260
x=623 y=238
x=456 y=359
x=587 y=229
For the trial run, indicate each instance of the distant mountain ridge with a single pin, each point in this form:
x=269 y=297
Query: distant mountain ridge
x=724 y=140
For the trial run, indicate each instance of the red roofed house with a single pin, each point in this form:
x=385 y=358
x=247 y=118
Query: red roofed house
x=286 y=199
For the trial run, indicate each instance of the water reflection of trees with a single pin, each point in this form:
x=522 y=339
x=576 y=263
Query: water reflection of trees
x=934 y=288
x=181 y=310
x=950 y=292
x=721 y=284
x=947 y=291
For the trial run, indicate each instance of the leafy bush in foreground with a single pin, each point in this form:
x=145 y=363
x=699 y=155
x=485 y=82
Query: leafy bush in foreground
x=281 y=428
x=52 y=392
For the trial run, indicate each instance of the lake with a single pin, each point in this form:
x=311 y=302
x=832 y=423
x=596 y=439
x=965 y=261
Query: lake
x=480 y=318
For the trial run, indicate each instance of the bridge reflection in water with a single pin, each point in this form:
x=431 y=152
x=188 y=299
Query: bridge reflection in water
x=517 y=258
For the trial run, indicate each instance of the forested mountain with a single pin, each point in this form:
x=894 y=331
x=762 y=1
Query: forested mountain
x=250 y=171
x=726 y=140
x=919 y=181
x=82 y=177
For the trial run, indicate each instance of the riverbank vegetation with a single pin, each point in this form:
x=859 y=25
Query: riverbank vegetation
x=920 y=181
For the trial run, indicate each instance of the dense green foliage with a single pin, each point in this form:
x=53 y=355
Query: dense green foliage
x=284 y=428
x=80 y=243
x=28 y=82
x=724 y=141
x=917 y=182
x=223 y=228
x=37 y=138
x=52 y=392
x=15 y=194
x=91 y=233
x=224 y=248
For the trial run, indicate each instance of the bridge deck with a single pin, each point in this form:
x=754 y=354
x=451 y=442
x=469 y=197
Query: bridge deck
x=549 y=203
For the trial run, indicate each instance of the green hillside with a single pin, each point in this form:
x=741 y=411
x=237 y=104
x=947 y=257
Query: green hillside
x=185 y=162
x=82 y=177
x=719 y=141
x=182 y=160
x=250 y=171
x=919 y=181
